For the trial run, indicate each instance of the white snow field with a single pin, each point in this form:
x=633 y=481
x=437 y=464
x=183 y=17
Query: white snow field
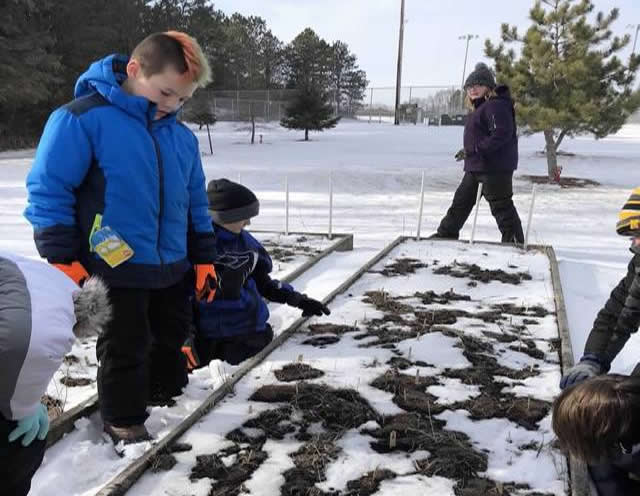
x=376 y=171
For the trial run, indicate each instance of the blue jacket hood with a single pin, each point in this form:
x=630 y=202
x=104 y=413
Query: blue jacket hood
x=105 y=76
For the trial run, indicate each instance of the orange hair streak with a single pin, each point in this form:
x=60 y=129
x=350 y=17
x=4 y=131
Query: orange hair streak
x=198 y=68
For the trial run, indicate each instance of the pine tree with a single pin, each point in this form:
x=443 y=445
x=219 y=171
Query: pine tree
x=348 y=82
x=310 y=111
x=568 y=80
x=29 y=70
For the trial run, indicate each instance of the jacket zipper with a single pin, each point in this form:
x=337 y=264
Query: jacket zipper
x=160 y=187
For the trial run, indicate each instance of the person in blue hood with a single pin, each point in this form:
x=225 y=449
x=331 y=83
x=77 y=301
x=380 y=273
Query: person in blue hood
x=235 y=325
x=117 y=189
x=490 y=156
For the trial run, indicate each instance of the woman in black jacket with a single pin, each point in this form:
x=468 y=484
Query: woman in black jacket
x=490 y=156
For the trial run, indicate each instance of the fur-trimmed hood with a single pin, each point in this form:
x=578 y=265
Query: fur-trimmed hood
x=91 y=307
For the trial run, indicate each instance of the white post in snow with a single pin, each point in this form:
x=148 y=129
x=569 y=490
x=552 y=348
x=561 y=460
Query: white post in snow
x=420 y=208
x=533 y=200
x=331 y=205
x=475 y=216
x=286 y=205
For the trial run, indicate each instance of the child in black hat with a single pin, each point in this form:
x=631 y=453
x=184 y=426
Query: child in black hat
x=234 y=327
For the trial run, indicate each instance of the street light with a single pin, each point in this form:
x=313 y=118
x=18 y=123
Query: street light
x=467 y=37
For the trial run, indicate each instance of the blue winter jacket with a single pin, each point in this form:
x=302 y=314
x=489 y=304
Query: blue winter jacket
x=104 y=154
x=248 y=314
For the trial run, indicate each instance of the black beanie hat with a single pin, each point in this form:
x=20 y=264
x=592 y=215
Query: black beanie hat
x=481 y=75
x=231 y=202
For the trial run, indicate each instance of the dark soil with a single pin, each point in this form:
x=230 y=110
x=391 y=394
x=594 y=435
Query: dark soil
x=476 y=273
x=329 y=328
x=163 y=463
x=429 y=297
x=70 y=359
x=401 y=267
x=565 y=181
x=492 y=402
x=336 y=409
x=228 y=480
x=451 y=453
x=310 y=462
x=287 y=253
x=297 y=372
x=402 y=363
x=322 y=341
x=383 y=302
x=76 y=381
x=369 y=483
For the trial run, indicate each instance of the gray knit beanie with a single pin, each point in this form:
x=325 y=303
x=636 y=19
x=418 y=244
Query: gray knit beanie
x=481 y=75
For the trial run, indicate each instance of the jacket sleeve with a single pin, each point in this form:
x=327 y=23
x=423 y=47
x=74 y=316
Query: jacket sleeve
x=499 y=119
x=61 y=163
x=271 y=289
x=201 y=237
x=618 y=319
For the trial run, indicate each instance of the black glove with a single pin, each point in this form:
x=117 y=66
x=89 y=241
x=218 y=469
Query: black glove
x=461 y=155
x=309 y=306
x=232 y=272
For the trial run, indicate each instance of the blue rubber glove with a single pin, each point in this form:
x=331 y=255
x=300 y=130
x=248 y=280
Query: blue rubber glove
x=32 y=426
x=588 y=366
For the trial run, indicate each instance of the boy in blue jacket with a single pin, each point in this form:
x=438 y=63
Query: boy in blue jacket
x=117 y=189
x=234 y=326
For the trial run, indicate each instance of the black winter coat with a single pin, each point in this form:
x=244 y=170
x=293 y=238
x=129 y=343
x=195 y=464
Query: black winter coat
x=620 y=316
x=490 y=139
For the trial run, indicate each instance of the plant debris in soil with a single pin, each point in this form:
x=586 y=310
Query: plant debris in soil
x=70 y=381
x=565 y=181
x=297 y=372
x=492 y=402
x=328 y=328
x=401 y=267
x=54 y=406
x=477 y=273
x=337 y=409
x=430 y=297
x=322 y=341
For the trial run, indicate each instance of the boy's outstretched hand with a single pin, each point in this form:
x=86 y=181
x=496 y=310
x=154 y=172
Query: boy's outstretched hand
x=310 y=307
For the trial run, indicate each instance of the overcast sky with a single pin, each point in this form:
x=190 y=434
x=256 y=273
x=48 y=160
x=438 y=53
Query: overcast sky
x=433 y=54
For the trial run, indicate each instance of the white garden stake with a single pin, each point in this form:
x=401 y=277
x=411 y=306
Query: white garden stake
x=330 y=205
x=420 y=208
x=475 y=215
x=533 y=200
x=286 y=205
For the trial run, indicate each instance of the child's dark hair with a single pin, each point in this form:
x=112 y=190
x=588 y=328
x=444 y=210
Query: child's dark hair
x=594 y=418
x=175 y=49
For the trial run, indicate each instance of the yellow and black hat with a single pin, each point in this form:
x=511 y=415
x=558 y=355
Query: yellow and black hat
x=629 y=217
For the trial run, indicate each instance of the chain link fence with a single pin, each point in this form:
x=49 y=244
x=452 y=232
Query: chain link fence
x=431 y=105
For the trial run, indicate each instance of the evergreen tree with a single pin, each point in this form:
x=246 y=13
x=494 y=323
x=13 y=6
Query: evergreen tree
x=568 y=80
x=348 y=82
x=29 y=70
x=308 y=62
x=310 y=111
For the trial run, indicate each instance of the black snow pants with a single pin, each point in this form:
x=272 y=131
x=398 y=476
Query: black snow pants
x=498 y=191
x=140 y=351
x=19 y=463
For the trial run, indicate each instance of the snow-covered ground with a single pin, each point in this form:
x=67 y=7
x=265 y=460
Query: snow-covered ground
x=376 y=170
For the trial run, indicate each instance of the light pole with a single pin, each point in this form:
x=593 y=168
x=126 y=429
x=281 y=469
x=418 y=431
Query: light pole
x=396 y=119
x=467 y=37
